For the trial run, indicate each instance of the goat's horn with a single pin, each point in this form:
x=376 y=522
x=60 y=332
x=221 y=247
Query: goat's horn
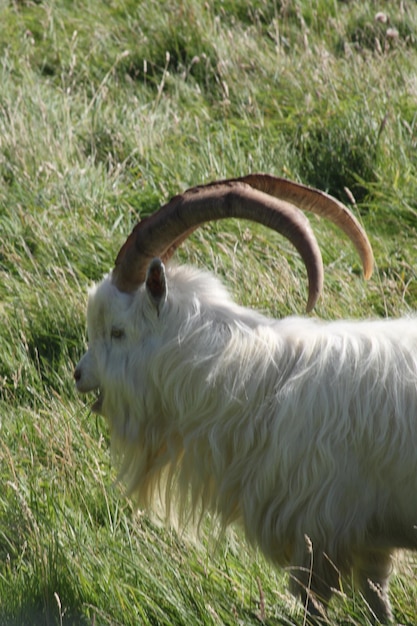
x=309 y=199
x=271 y=201
x=320 y=203
x=161 y=233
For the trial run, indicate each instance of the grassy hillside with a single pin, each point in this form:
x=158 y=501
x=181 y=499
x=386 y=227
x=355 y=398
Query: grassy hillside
x=106 y=110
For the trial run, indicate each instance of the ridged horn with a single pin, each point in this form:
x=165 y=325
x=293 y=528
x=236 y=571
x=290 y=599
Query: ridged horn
x=261 y=198
x=308 y=199
x=161 y=233
x=320 y=203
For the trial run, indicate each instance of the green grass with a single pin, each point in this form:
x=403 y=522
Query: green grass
x=106 y=110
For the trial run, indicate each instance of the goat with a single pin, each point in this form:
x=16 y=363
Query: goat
x=302 y=431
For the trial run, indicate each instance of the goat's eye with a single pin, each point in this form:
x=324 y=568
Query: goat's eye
x=117 y=333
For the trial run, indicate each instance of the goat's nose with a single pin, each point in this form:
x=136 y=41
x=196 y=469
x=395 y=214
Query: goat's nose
x=77 y=374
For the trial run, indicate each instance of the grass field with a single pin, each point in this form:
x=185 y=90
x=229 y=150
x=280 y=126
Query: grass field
x=107 y=108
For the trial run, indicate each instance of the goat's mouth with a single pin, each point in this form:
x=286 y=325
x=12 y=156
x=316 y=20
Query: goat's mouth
x=97 y=405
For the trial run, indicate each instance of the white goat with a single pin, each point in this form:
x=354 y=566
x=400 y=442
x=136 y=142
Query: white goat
x=302 y=431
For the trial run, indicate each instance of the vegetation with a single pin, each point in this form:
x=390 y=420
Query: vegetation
x=107 y=108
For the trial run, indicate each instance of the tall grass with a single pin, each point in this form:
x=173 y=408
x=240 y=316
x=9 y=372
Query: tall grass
x=107 y=109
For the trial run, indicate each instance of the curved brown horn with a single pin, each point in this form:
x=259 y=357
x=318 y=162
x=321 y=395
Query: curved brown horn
x=308 y=199
x=162 y=232
x=320 y=203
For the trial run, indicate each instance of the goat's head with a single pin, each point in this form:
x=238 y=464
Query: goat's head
x=121 y=306
x=120 y=329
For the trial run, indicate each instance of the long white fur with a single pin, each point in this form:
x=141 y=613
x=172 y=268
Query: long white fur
x=295 y=428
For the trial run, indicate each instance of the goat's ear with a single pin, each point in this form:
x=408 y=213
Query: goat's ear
x=156 y=284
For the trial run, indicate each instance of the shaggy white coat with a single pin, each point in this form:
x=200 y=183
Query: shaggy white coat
x=303 y=431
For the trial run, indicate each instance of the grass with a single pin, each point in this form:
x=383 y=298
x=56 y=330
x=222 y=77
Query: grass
x=107 y=109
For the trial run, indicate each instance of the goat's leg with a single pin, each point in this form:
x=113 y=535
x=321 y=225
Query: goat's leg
x=372 y=569
x=314 y=582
